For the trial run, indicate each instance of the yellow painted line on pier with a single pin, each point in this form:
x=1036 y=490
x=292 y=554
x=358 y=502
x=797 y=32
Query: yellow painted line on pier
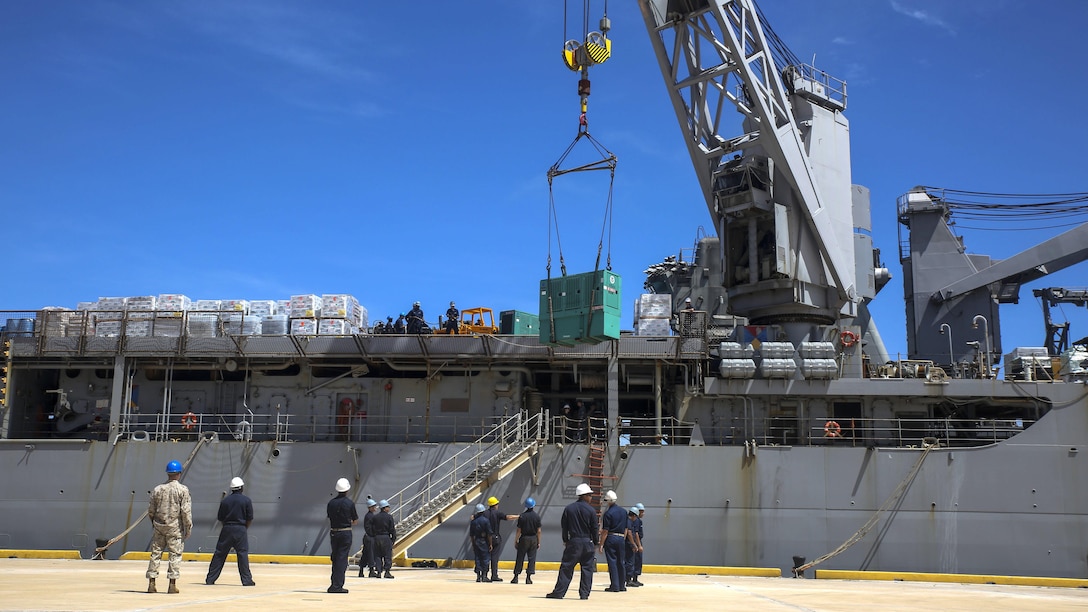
x=689 y=570
x=207 y=557
x=1038 y=581
x=12 y=553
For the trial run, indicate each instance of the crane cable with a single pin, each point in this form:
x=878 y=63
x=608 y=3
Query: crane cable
x=579 y=55
x=607 y=162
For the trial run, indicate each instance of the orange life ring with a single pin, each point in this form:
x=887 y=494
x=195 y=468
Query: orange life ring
x=188 y=420
x=848 y=338
x=832 y=430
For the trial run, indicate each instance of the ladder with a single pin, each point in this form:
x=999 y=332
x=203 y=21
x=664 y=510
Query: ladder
x=430 y=500
x=594 y=476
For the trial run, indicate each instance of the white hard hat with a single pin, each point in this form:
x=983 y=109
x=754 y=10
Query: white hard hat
x=236 y=483
x=610 y=496
x=342 y=485
x=582 y=489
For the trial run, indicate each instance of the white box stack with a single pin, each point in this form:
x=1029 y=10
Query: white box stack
x=141 y=307
x=304 y=307
x=263 y=308
x=208 y=305
x=55 y=321
x=652 y=314
x=235 y=306
x=304 y=327
x=334 y=327
x=173 y=303
x=341 y=306
x=203 y=324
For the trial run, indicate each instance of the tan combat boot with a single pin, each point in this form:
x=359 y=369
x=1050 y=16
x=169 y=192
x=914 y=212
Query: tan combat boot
x=173 y=587
x=151 y=586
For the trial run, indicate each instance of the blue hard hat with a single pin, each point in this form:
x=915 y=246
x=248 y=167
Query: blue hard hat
x=174 y=467
x=640 y=506
x=479 y=508
x=370 y=503
x=633 y=510
x=384 y=503
x=530 y=503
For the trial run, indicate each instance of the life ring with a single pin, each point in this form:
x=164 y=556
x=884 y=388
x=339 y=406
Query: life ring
x=848 y=338
x=188 y=420
x=832 y=430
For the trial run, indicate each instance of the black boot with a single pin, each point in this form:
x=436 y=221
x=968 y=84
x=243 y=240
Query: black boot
x=528 y=579
x=514 y=580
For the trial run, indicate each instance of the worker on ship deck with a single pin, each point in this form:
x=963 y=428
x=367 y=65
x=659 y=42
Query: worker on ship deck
x=415 y=319
x=453 y=319
x=398 y=327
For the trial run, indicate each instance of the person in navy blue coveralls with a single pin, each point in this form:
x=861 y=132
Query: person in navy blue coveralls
x=634 y=547
x=236 y=514
x=613 y=538
x=579 y=526
x=479 y=531
x=342 y=515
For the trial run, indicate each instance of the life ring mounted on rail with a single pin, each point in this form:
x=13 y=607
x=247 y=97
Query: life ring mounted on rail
x=832 y=430
x=188 y=421
x=848 y=338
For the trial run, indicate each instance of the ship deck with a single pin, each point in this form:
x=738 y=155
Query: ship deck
x=69 y=584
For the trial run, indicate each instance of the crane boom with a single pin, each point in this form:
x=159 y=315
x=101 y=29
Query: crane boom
x=779 y=193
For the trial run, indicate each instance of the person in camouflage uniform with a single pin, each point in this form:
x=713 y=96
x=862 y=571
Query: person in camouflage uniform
x=171 y=514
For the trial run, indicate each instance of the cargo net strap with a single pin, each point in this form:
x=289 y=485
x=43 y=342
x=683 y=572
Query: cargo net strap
x=607 y=162
x=893 y=501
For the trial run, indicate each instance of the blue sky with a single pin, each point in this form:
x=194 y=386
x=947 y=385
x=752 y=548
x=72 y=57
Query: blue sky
x=256 y=150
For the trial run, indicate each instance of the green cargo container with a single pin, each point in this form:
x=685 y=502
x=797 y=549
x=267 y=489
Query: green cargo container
x=585 y=308
x=518 y=323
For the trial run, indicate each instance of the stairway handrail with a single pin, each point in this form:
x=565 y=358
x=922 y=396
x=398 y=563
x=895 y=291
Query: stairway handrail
x=518 y=424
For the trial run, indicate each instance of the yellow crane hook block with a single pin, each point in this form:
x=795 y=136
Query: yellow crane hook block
x=595 y=50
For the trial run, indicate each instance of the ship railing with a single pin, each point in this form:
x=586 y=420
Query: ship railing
x=821 y=431
x=290 y=427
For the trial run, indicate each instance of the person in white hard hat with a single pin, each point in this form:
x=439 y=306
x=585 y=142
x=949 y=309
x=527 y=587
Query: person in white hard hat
x=613 y=536
x=236 y=515
x=342 y=515
x=579 y=526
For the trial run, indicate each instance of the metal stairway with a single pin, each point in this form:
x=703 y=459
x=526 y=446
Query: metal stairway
x=436 y=496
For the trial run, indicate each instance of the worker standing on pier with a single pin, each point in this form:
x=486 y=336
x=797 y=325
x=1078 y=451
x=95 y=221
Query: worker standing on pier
x=171 y=514
x=479 y=530
x=613 y=536
x=496 y=517
x=527 y=541
x=342 y=515
x=236 y=514
x=385 y=535
x=579 y=525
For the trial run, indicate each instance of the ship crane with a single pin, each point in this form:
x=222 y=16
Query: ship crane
x=779 y=193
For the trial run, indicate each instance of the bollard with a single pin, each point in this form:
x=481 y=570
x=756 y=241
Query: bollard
x=798 y=561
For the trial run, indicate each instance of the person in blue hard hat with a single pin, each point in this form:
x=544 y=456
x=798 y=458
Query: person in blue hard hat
x=236 y=515
x=171 y=513
x=385 y=535
x=634 y=547
x=527 y=541
x=638 y=555
x=366 y=557
x=479 y=530
x=342 y=515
